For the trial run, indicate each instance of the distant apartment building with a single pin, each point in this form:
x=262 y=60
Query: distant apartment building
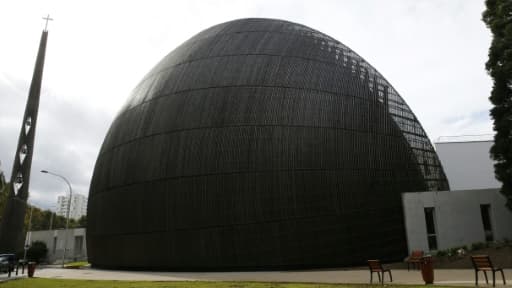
x=78 y=206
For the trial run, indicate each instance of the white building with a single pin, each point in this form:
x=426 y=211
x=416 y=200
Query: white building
x=56 y=240
x=78 y=206
x=473 y=211
x=446 y=219
x=467 y=164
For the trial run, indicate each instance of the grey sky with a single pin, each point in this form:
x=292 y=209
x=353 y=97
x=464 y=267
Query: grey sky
x=433 y=52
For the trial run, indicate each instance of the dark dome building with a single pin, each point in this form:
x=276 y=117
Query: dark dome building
x=258 y=144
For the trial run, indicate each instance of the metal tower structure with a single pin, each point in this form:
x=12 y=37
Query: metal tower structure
x=11 y=227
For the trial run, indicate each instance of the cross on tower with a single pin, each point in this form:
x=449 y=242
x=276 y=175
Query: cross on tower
x=47 y=18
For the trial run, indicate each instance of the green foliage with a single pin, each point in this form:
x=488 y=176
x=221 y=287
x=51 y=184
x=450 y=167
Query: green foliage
x=478 y=246
x=498 y=19
x=453 y=251
x=82 y=222
x=41 y=220
x=76 y=265
x=4 y=192
x=37 y=251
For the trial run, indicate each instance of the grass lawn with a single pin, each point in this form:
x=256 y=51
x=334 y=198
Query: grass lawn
x=63 y=283
x=76 y=265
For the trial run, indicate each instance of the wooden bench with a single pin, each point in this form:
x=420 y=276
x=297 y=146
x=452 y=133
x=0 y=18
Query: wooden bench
x=483 y=263
x=23 y=264
x=414 y=259
x=376 y=267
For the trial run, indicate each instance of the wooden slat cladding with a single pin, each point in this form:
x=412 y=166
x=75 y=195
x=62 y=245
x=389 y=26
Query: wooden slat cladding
x=257 y=144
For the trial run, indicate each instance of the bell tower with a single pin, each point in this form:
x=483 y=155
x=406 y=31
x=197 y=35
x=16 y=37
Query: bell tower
x=11 y=227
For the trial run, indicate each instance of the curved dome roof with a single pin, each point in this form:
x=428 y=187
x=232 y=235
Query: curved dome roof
x=257 y=143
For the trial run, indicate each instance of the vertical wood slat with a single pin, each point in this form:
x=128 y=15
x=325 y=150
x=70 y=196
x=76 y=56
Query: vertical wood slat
x=256 y=172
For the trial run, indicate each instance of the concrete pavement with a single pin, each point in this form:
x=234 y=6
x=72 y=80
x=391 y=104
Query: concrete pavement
x=459 y=277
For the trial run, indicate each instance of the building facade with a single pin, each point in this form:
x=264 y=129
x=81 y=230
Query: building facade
x=258 y=144
x=78 y=206
x=55 y=240
x=473 y=212
x=468 y=164
x=442 y=220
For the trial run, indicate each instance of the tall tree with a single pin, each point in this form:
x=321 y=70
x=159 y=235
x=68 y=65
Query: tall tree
x=4 y=192
x=498 y=18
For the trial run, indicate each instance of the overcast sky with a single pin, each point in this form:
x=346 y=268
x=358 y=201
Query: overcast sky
x=432 y=51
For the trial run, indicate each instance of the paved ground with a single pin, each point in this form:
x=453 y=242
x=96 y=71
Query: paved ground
x=464 y=277
x=3 y=277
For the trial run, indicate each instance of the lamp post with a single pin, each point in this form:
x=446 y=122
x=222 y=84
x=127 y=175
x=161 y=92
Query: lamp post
x=67 y=212
x=51 y=220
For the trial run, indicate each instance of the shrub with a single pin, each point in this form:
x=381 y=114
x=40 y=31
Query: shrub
x=453 y=251
x=37 y=251
x=477 y=246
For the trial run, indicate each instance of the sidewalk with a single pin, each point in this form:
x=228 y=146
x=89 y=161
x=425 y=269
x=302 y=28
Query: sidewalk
x=4 y=278
x=464 y=277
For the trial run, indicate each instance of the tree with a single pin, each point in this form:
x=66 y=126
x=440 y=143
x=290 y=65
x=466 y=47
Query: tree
x=41 y=218
x=4 y=192
x=82 y=222
x=37 y=251
x=498 y=18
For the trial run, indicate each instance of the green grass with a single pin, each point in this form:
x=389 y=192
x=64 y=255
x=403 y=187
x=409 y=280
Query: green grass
x=76 y=265
x=63 y=283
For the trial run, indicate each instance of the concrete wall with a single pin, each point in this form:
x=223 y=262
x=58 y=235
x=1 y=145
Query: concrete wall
x=457 y=217
x=56 y=249
x=467 y=164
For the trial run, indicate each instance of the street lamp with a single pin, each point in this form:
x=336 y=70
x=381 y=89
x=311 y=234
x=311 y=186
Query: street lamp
x=67 y=213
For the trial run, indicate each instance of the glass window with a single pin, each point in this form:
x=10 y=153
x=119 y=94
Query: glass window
x=79 y=242
x=431 y=228
x=485 y=211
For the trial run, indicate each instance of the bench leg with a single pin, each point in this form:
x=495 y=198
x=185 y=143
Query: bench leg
x=476 y=277
x=371 y=277
x=486 y=280
x=503 y=276
x=493 y=278
x=390 y=277
x=378 y=274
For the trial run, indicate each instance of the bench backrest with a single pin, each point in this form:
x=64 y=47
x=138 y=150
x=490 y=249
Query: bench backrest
x=481 y=261
x=374 y=265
